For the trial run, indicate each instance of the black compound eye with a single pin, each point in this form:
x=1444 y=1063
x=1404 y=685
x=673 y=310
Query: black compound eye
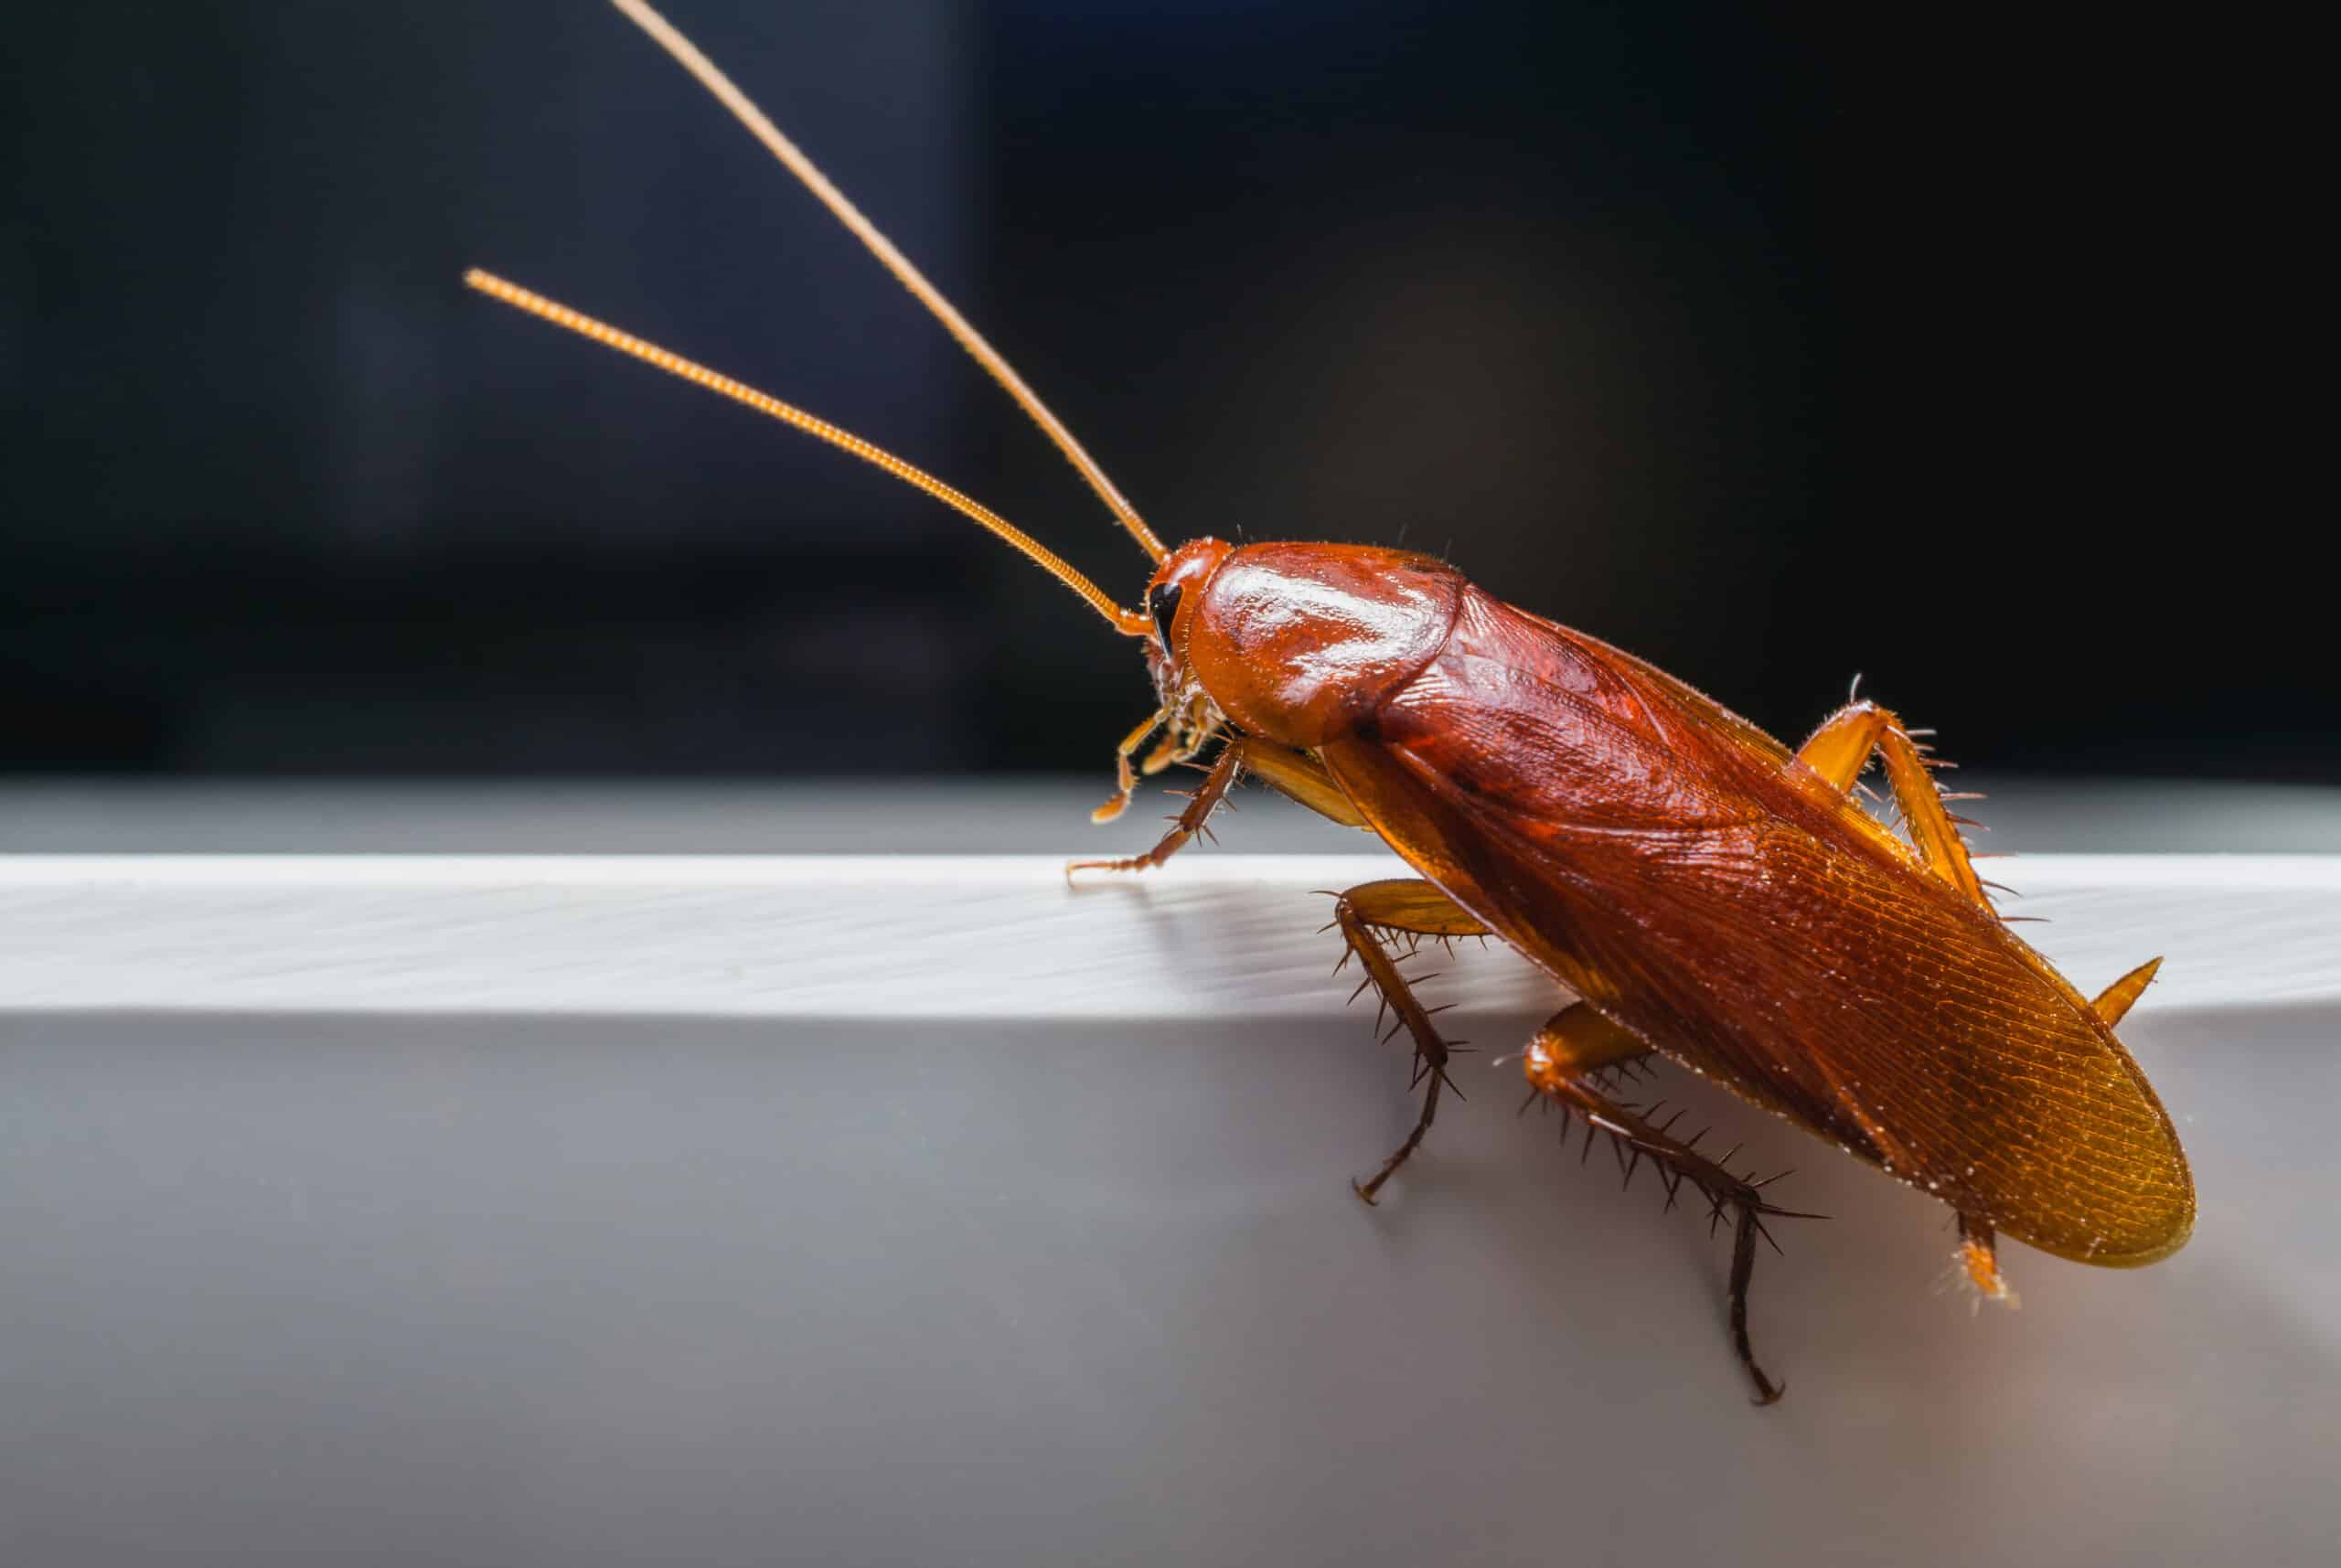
x=1162 y=602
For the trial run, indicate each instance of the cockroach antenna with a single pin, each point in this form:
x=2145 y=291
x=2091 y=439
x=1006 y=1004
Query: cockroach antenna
x=1131 y=622
x=743 y=109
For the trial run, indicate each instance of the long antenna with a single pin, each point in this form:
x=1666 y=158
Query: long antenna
x=1130 y=622
x=687 y=55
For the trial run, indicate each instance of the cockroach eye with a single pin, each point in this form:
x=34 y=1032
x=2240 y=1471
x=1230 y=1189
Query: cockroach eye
x=1163 y=603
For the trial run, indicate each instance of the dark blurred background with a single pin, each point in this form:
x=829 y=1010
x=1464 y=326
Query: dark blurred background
x=1773 y=348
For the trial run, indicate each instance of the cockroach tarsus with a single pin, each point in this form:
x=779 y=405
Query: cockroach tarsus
x=1704 y=892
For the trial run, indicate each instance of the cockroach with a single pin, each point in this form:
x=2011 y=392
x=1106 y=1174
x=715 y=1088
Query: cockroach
x=1704 y=892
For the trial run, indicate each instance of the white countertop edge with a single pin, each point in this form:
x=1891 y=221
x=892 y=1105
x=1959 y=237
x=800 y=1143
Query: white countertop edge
x=938 y=937
x=2311 y=871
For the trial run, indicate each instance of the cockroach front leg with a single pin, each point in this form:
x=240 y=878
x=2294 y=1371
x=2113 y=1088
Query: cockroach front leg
x=1365 y=914
x=1562 y=1064
x=1225 y=769
x=1125 y=776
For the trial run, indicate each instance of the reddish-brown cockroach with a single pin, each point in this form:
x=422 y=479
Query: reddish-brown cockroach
x=1706 y=893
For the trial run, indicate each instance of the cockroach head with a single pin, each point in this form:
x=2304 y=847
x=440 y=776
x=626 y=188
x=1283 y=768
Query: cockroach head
x=1172 y=594
x=1173 y=597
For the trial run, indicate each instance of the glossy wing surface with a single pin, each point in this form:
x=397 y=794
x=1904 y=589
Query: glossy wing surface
x=1657 y=855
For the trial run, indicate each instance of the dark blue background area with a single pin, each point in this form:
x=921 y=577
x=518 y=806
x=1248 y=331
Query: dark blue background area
x=1771 y=347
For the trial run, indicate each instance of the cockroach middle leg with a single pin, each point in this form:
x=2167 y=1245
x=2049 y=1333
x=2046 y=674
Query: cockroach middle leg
x=1225 y=771
x=1407 y=906
x=1561 y=1062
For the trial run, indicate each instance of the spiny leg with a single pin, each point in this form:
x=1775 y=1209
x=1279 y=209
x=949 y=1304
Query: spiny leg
x=1561 y=1062
x=1225 y=769
x=1979 y=1254
x=1587 y=1042
x=1841 y=749
x=1415 y=908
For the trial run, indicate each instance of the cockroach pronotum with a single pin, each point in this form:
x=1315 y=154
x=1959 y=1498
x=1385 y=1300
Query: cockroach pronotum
x=1705 y=892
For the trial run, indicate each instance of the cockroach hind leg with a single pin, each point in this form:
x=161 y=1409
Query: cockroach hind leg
x=1562 y=1062
x=1743 y=1267
x=1979 y=1263
x=1841 y=749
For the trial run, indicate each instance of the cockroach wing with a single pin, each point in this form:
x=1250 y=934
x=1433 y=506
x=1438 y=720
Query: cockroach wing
x=1659 y=856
